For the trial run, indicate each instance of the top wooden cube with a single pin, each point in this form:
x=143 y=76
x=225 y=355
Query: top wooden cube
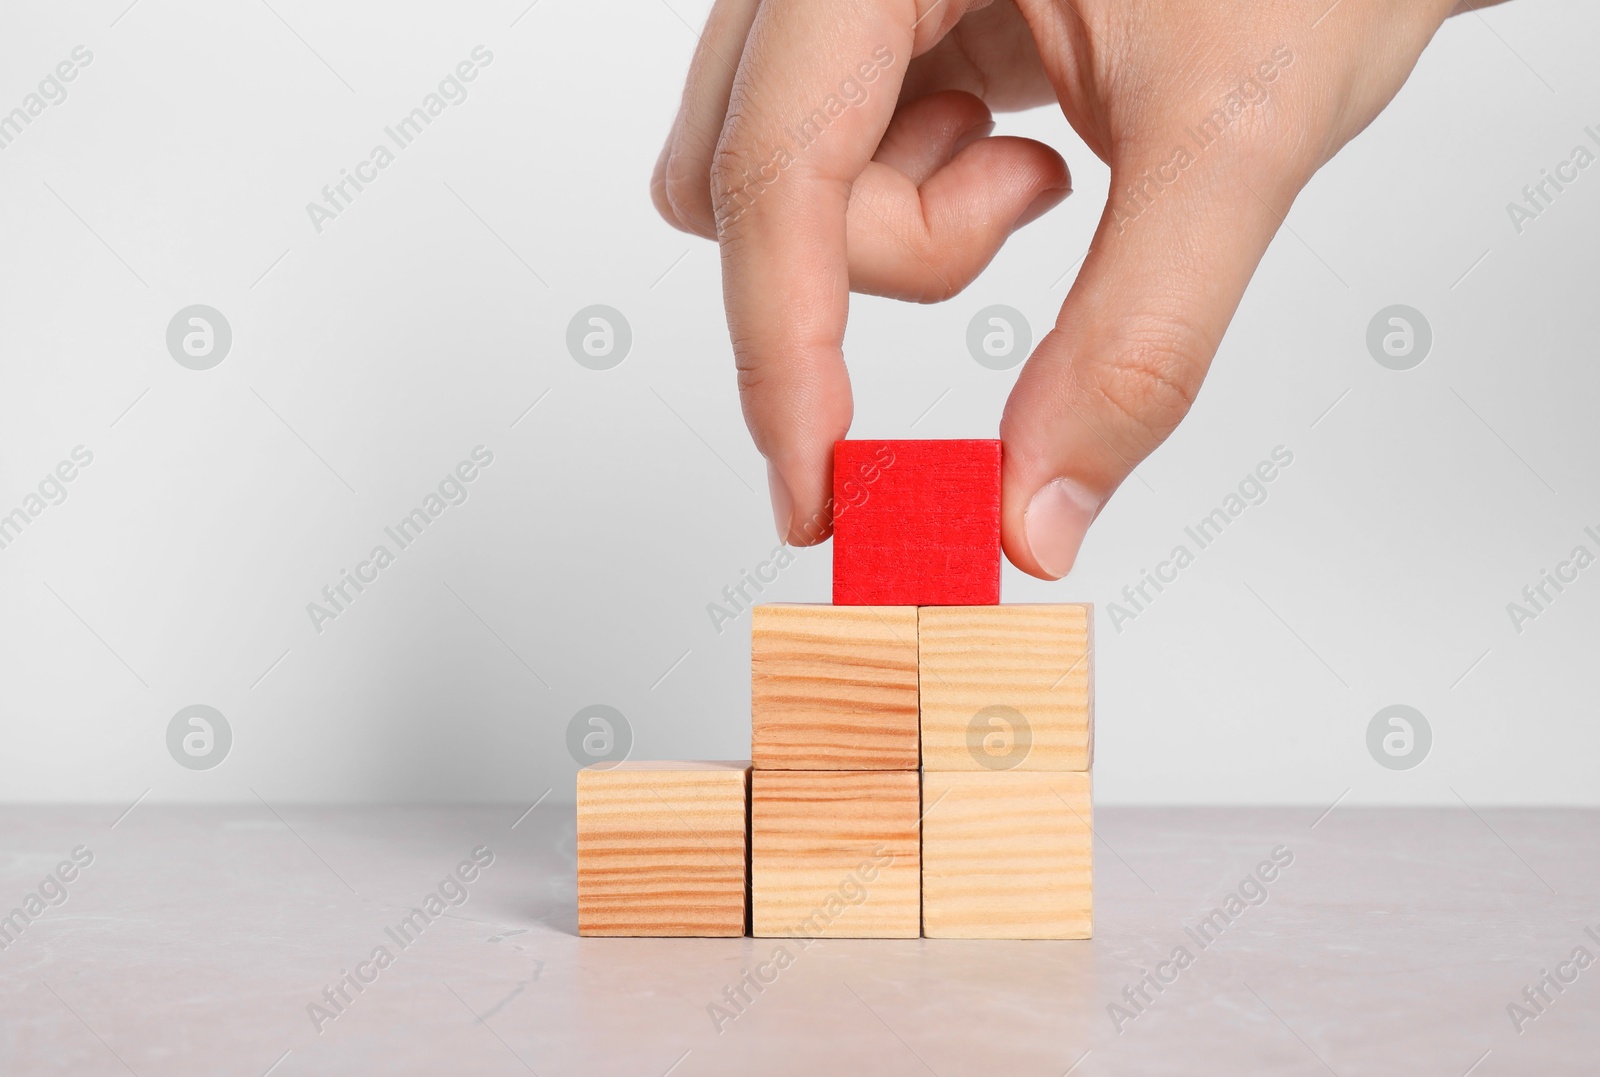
x=916 y=523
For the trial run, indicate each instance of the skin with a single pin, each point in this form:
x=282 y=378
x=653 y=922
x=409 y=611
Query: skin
x=906 y=194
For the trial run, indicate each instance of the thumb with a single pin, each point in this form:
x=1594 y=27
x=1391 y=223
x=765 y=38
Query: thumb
x=1182 y=233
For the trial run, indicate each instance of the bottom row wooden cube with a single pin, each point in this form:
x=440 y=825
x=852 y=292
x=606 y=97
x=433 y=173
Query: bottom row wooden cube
x=835 y=854
x=1007 y=855
x=662 y=848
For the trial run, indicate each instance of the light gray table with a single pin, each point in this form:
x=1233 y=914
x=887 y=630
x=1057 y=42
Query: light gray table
x=197 y=938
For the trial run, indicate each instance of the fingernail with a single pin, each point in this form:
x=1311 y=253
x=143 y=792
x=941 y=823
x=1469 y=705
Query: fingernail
x=782 y=502
x=1055 y=523
x=983 y=130
x=1043 y=203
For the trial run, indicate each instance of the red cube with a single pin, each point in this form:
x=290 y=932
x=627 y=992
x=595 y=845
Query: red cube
x=916 y=523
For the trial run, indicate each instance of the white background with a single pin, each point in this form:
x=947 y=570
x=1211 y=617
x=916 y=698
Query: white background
x=369 y=359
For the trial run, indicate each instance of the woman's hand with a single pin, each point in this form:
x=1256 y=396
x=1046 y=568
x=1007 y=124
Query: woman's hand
x=839 y=145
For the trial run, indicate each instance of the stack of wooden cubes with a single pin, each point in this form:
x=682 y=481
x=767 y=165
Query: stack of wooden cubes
x=920 y=753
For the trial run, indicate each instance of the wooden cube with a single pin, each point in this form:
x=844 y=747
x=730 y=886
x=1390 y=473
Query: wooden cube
x=833 y=687
x=1006 y=687
x=916 y=523
x=662 y=848
x=835 y=854
x=1007 y=855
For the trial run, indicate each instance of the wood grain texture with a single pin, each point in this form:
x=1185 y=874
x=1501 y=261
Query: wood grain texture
x=833 y=687
x=662 y=848
x=835 y=854
x=1007 y=855
x=981 y=667
x=916 y=523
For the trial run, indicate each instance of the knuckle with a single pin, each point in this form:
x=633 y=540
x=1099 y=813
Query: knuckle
x=1271 y=145
x=1267 y=135
x=751 y=372
x=729 y=164
x=740 y=176
x=1151 y=382
x=735 y=172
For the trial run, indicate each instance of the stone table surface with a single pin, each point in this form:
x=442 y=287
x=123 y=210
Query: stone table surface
x=198 y=939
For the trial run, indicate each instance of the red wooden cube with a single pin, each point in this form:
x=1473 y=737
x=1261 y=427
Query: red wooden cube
x=916 y=523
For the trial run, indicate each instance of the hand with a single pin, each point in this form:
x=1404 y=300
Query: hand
x=843 y=145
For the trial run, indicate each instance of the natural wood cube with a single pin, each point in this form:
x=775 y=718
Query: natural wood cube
x=662 y=848
x=833 y=687
x=1007 y=687
x=1007 y=855
x=835 y=854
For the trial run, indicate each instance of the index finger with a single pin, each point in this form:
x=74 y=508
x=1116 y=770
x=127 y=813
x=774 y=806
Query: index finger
x=814 y=93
